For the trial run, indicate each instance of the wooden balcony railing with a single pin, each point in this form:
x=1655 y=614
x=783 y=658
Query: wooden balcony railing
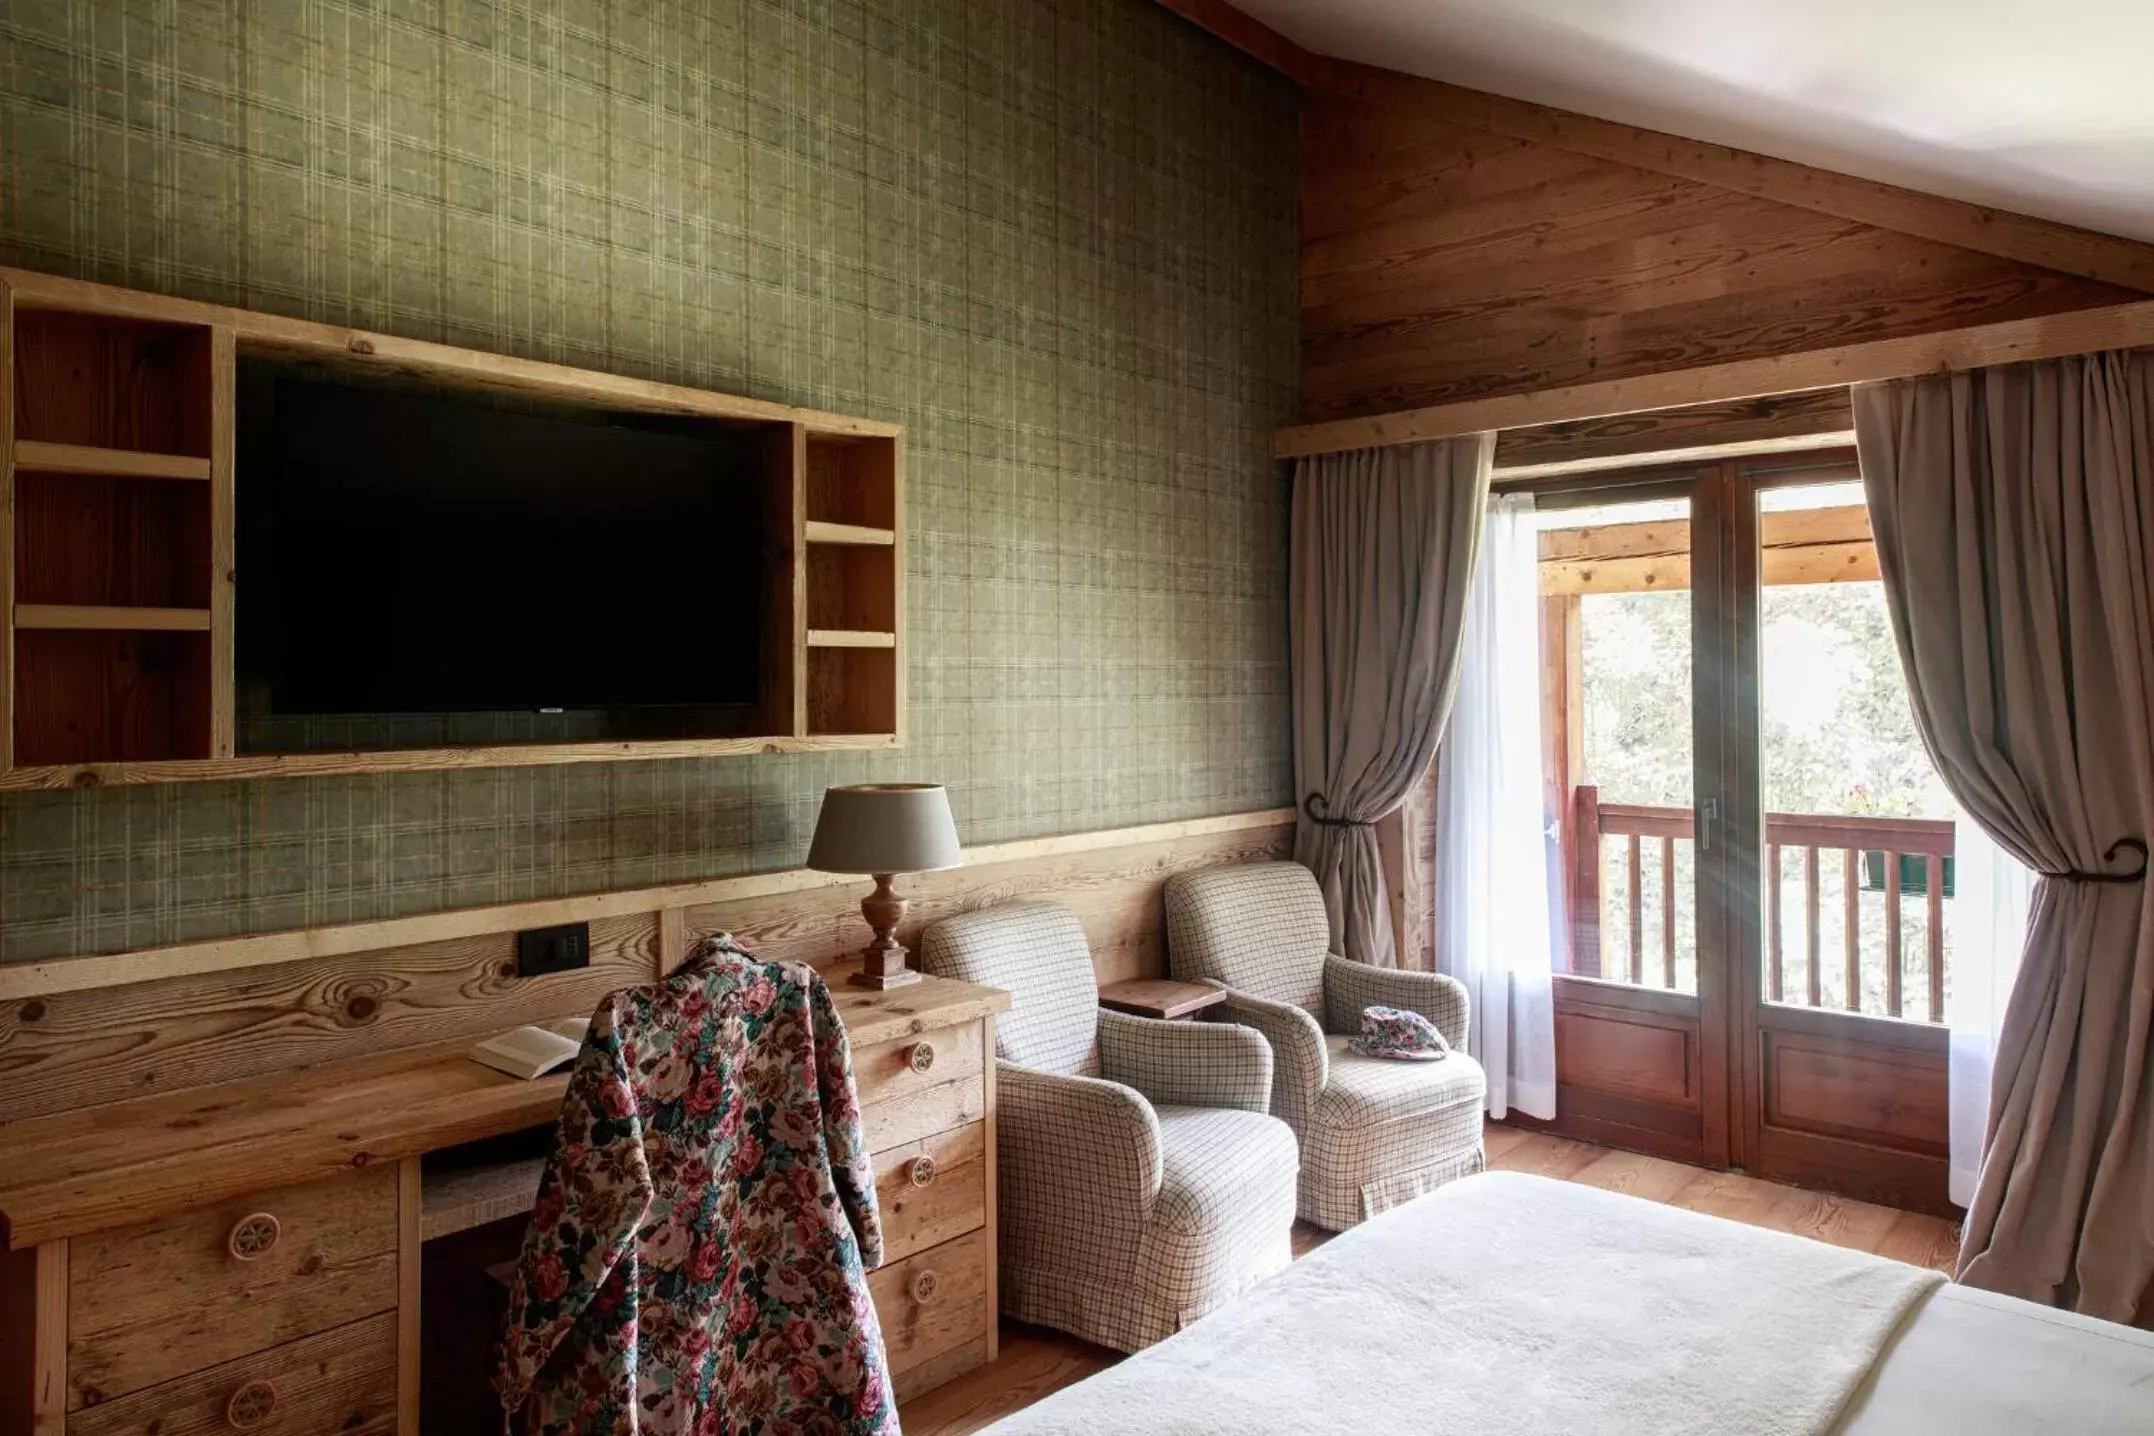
x=1846 y=840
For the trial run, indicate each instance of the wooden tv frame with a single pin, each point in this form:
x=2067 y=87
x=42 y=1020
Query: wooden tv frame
x=117 y=543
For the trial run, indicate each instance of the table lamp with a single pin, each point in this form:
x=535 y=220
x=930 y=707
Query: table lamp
x=882 y=829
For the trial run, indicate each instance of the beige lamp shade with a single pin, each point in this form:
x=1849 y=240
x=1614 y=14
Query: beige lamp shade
x=885 y=828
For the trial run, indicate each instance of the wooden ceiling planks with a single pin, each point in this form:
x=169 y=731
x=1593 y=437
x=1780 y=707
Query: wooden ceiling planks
x=1457 y=269
x=1463 y=248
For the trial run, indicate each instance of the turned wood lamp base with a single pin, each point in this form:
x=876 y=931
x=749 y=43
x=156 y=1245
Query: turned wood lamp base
x=882 y=962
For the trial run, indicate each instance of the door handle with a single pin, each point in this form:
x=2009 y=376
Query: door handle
x=1708 y=814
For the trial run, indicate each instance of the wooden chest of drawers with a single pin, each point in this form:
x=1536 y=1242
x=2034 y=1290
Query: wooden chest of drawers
x=246 y=1257
x=925 y=1102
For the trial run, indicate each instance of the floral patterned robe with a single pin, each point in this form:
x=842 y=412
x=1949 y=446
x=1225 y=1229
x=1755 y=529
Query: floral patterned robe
x=696 y=1260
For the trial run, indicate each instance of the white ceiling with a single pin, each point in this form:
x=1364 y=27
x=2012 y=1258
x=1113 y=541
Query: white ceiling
x=2042 y=106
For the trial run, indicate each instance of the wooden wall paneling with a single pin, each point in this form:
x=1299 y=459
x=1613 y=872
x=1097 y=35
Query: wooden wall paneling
x=1691 y=277
x=89 y=1031
x=1459 y=249
x=1980 y=228
x=1114 y=892
x=258 y=950
x=77 y=1049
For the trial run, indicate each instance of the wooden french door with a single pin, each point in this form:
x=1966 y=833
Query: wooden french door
x=1703 y=1017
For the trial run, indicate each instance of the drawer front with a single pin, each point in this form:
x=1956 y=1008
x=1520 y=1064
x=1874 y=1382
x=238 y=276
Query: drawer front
x=151 y=1302
x=338 y=1383
x=931 y=1191
x=932 y=1302
x=919 y=1112
x=890 y=1071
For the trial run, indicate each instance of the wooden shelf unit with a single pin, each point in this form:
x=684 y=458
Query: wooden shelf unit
x=115 y=471
x=118 y=548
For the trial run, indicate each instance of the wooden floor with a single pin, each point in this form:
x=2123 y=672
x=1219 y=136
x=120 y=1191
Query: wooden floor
x=1036 y=1361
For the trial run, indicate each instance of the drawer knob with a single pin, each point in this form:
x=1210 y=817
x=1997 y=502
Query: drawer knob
x=921 y=1057
x=252 y=1236
x=923 y=1287
x=923 y=1170
x=250 y=1406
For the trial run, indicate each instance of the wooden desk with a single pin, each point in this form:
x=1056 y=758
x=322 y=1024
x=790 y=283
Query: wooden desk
x=177 y=1261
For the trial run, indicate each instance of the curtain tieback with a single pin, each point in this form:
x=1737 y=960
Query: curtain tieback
x=1308 y=805
x=2120 y=845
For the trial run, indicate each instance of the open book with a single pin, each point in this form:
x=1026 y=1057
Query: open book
x=529 y=1052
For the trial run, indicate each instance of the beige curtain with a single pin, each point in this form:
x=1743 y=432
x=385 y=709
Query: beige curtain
x=1383 y=553
x=2014 y=512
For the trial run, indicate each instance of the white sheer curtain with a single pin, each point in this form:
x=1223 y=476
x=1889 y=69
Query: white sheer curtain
x=1989 y=928
x=1492 y=853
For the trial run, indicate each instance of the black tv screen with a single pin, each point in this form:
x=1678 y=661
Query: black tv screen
x=445 y=555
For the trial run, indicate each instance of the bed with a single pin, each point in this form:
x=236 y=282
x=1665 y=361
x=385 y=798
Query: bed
x=1512 y=1304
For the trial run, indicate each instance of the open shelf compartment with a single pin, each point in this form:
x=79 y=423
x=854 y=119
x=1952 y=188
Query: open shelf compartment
x=105 y=696
x=111 y=542
x=99 y=382
x=852 y=691
x=852 y=481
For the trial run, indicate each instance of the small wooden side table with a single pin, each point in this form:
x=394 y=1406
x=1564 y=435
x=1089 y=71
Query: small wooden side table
x=1160 y=997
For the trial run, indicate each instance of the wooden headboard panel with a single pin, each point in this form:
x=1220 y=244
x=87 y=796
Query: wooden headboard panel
x=80 y=1032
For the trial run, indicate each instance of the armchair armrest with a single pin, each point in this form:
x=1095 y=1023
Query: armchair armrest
x=1351 y=986
x=1300 y=1065
x=1074 y=1139
x=1187 y=1064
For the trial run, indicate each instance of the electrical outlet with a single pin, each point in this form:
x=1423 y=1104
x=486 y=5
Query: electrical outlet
x=553 y=949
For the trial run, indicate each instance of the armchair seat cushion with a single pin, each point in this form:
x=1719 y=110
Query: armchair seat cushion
x=1368 y=1091
x=1224 y=1219
x=1217 y=1164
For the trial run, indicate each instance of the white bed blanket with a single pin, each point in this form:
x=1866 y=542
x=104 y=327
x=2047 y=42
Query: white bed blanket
x=1513 y=1304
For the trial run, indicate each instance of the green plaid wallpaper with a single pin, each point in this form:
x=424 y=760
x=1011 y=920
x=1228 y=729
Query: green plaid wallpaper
x=1056 y=238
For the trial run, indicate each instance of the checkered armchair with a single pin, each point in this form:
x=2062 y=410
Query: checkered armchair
x=1374 y=1132
x=1142 y=1181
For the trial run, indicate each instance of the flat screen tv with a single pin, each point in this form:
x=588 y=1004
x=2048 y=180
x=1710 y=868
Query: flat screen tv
x=433 y=554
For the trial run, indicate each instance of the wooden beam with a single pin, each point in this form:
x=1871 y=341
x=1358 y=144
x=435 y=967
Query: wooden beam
x=1252 y=37
x=2046 y=336
x=1821 y=418
x=2061 y=247
x=1800 y=546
